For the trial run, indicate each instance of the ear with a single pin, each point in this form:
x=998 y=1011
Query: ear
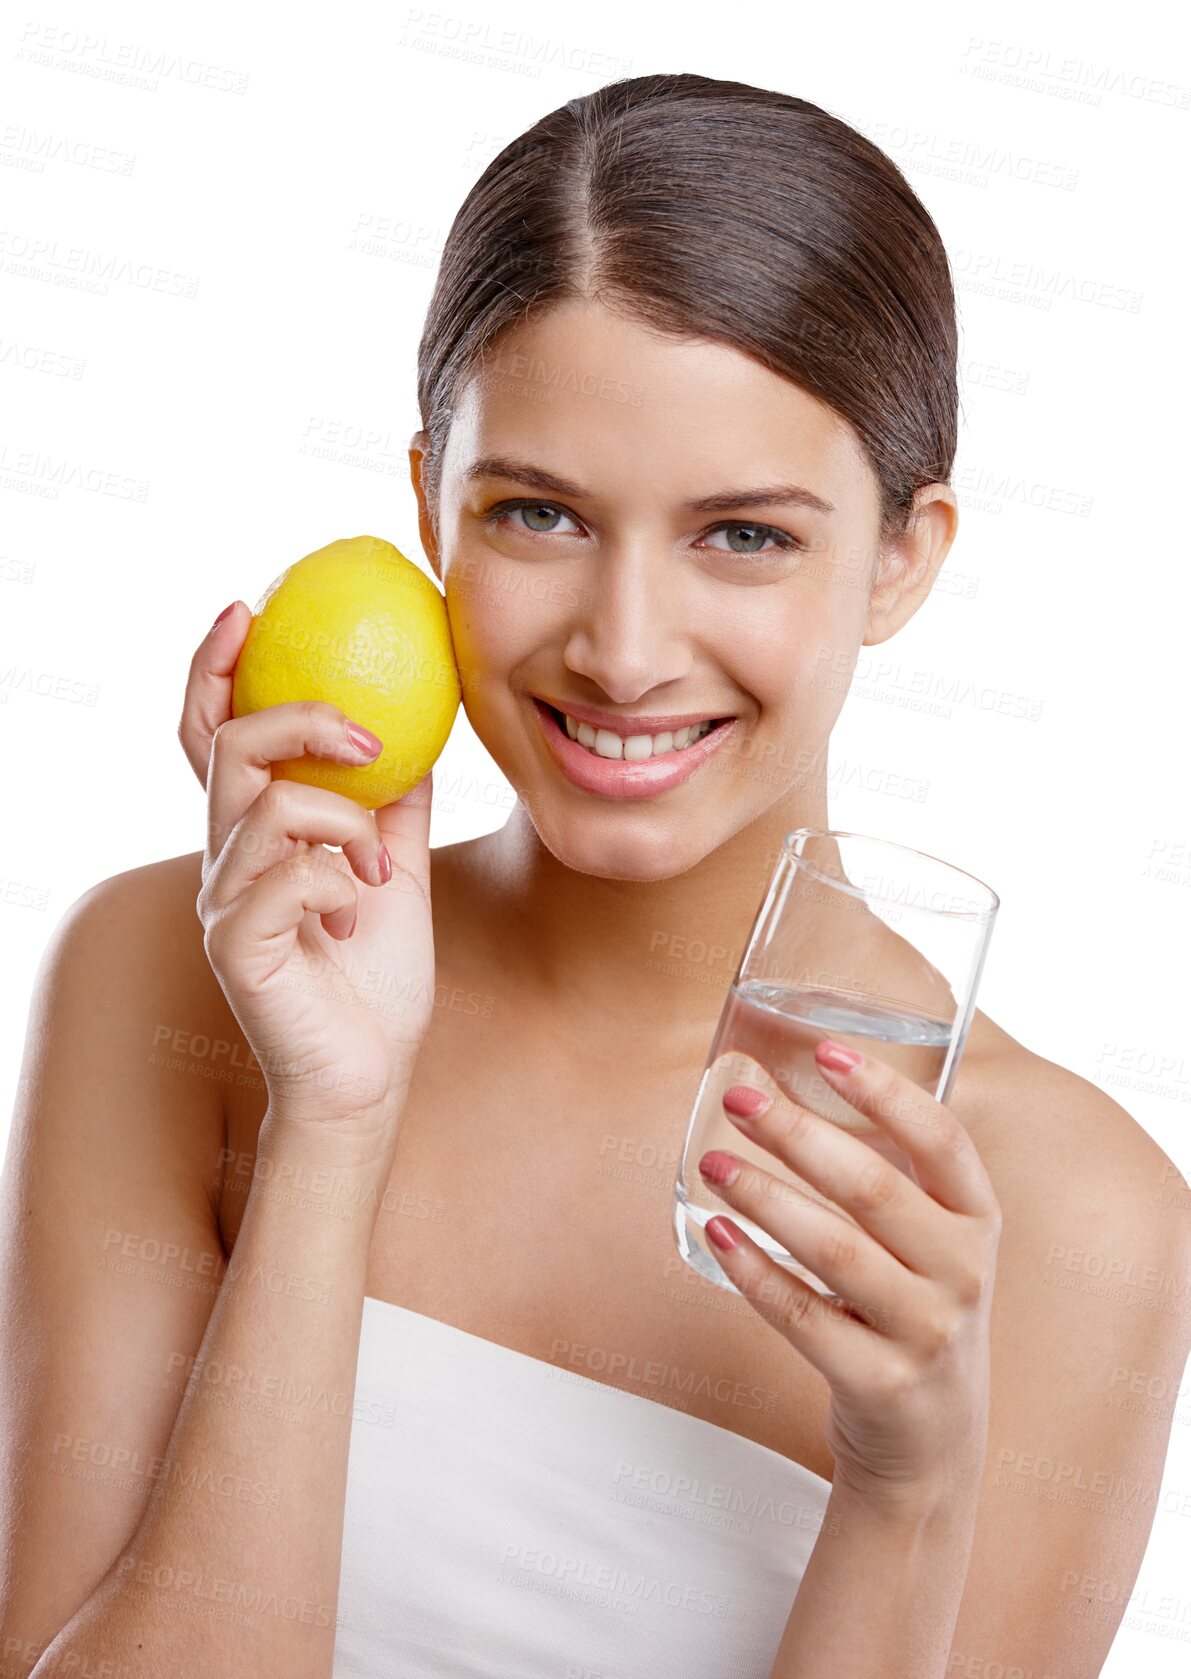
x=418 y=445
x=908 y=566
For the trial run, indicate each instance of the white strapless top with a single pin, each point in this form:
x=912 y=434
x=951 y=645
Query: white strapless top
x=506 y=1519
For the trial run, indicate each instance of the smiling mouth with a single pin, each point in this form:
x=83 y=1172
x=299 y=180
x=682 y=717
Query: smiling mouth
x=606 y=743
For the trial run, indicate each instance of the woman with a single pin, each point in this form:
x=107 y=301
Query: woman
x=689 y=410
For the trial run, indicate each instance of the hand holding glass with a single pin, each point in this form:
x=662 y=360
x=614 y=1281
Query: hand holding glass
x=858 y=939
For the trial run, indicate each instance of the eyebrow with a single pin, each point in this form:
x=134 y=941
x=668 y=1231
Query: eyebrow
x=723 y=501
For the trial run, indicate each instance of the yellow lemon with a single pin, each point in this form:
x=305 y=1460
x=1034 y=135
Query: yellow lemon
x=359 y=625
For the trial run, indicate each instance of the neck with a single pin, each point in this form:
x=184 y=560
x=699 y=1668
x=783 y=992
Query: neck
x=665 y=948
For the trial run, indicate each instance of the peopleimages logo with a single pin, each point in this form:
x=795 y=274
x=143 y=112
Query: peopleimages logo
x=126 y=62
x=609 y=1577
x=654 y=1373
x=1067 y=76
x=216 y=1588
x=715 y=1495
x=77 y=267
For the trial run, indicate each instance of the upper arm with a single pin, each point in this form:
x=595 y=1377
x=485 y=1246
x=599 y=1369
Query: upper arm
x=1091 y=1300
x=110 y=1255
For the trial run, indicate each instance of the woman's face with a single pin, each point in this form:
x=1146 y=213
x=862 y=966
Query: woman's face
x=603 y=584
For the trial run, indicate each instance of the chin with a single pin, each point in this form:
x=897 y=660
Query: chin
x=640 y=851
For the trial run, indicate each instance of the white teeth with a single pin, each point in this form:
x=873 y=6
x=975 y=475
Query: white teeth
x=606 y=743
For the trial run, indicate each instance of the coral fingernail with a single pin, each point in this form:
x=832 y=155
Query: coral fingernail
x=363 y=739
x=718 y=1166
x=743 y=1102
x=721 y=1233
x=221 y=617
x=838 y=1057
x=384 y=864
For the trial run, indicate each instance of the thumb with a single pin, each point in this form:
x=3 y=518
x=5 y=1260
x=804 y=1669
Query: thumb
x=404 y=828
x=208 y=701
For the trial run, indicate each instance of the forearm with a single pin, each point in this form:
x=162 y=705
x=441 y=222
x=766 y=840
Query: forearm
x=881 y=1593
x=234 y=1567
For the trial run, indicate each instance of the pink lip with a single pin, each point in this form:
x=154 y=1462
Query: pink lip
x=620 y=779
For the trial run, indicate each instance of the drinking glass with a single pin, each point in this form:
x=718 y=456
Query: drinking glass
x=859 y=939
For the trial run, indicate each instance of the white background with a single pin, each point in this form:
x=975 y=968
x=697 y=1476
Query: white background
x=259 y=404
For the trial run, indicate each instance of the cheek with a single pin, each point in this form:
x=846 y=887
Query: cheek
x=491 y=620
x=798 y=674
x=777 y=657
x=501 y=619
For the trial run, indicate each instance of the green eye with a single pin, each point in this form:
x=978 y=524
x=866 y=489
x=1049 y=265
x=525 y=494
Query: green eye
x=533 y=512
x=533 y=508
x=761 y=532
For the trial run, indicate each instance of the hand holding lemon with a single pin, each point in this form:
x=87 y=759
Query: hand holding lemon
x=325 y=956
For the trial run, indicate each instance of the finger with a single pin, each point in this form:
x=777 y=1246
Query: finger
x=944 y=1157
x=244 y=750
x=269 y=911
x=404 y=826
x=891 y=1207
x=208 y=700
x=285 y=819
x=821 y=1329
x=842 y=1255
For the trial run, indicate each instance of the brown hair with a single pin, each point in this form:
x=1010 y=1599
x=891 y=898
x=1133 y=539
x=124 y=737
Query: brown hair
x=718 y=210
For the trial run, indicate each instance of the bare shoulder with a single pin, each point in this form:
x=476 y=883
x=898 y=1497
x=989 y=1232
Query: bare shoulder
x=146 y=922
x=163 y=897
x=167 y=888
x=1095 y=1211
x=1039 y=1122
x=153 y=910
x=159 y=896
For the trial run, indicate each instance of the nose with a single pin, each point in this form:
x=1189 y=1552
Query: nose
x=625 y=635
